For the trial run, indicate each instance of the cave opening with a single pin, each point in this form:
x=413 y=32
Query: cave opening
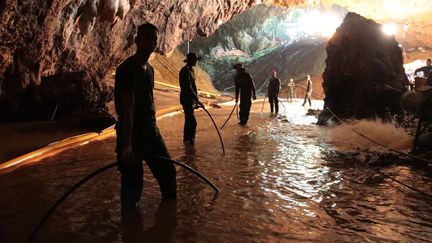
x=353 y=164
x=264 y=38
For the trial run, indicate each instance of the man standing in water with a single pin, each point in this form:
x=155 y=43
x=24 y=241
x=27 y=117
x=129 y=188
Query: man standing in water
x=273 y=92
x=308 y=95
x=291 y=86
x=138 y=136
x=189 y=97
x=244 y=86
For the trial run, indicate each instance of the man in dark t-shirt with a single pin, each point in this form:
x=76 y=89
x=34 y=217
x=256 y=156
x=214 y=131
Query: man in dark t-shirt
x=244 y=86
x=273 y=92
x=138 y=136
x=189 y=97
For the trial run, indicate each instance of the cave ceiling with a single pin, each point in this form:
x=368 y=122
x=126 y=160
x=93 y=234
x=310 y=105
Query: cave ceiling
x=413 y=14
x=42 y=38
x=84 y=40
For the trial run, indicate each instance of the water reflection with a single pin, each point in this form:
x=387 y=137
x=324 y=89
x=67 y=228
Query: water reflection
x=162 y=230
x=280 y=182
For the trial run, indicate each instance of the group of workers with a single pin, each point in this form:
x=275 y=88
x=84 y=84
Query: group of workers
x=138 y=137
x=274 y=89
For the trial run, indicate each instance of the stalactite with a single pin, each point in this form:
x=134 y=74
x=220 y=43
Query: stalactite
x=123 y=9
x=88 y=16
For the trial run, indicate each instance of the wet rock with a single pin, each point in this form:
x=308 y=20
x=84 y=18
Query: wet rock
x=325 y=118
x=364 y=76
x=60 y=95
x=49 y=39
x=95 y=119
x=313 y=112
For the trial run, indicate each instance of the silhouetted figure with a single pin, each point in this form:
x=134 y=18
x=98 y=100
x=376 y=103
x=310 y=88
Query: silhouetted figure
x=189 y=97
x=244 y=86
x=308 y=95
x=273 y=92
x=138 y=136
x=291 y=86
x=426 y=69
x=429 y=79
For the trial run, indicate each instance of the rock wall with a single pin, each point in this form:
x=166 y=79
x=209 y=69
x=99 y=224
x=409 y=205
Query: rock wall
x=364 y=76
x=46 y=40
x=54 y=40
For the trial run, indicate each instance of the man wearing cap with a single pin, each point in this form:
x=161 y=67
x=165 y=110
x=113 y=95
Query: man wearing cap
x=189 y=97
x=244 y=86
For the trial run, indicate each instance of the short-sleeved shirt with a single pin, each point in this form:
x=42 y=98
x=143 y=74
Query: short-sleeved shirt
x=131 y=78
x=245 y=85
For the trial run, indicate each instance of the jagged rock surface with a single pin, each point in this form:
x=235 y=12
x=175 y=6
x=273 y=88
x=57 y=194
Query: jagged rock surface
x=43 y=39
x=364 y=76
x=48 y=40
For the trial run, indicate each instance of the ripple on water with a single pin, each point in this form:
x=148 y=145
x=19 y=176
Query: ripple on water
x=279 y=181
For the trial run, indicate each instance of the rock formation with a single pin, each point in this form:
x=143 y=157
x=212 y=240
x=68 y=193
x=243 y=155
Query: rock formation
x=43 y=40
x=56 y=41
x=364 y=76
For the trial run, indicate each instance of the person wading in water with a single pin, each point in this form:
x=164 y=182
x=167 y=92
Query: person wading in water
x=244 y=86
x=308 y=95
x=189 y=97
x=138 y=136
x=273 y=92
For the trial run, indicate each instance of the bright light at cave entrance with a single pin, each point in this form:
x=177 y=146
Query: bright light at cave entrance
x=393 y=8
x=389 y=29
x=329 y=24
x=317 y=23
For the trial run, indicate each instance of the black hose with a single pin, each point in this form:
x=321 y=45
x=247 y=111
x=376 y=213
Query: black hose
x=54 y=112
x=65 y=195
x=190 y=169
x=283 y=105
x=99 y=171
x=384 y=146
x=217 y=129
x=229 y=116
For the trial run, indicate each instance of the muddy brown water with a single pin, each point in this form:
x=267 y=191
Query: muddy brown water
x=281 y=181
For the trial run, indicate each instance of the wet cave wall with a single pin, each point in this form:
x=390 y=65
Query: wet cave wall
x=364 y=75
x=59 y=52
x=263 y=39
